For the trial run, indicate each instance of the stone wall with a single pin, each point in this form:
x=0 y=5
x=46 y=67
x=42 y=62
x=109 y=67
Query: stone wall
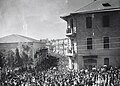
x=97 y=32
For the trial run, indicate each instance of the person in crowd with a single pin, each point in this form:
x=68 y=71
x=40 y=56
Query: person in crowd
x=52 y=77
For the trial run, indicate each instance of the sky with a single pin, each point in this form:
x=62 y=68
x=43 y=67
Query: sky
x=39 y=19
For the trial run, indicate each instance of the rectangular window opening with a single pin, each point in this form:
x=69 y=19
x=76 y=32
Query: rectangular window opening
x=89 y=43
x=88 y=22
x=71 y=23
x=106 y=4
x=68 y=30
x=106 y=21
x=106 y=42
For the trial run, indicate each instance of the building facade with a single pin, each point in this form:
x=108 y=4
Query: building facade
x=60 y=46
x=95 y=29
x=11 y=42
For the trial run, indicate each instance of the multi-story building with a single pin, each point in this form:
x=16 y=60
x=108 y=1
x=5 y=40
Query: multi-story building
x=60 y=46
x=95 y=29
x=48 y=44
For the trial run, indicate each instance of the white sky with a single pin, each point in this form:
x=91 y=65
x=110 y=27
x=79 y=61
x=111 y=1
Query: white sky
x=36 y=18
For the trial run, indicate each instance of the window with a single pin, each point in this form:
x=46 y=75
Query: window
x=68 y=30
x=106 y=42
x=106 y=21
x=89 y=43
x=118 y=42
x=106 y=4
x=71 y=23
x=88 y=22
x=106 y=61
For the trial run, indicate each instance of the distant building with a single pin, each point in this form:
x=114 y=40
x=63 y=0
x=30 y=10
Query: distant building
x=11 y=42
x=95 y=29
x=48 y=44
x=60 y=46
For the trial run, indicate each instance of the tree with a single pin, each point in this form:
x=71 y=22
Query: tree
x=63 y=63
x=1 y=59
x=40 y=55
x=10 y=59
x=52 y=60
x=3 y=56
x=18 y=59
x=47 y=63
x=26 y=55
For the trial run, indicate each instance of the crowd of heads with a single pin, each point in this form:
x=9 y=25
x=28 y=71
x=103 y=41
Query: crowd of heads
x=52 y=77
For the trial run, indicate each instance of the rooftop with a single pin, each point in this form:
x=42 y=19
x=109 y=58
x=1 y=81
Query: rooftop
x=16 y=38
x=99 y=6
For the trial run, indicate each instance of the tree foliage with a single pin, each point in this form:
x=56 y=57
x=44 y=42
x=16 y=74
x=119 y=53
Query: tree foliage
x=62 y=63
x=7 y=58
x=18 y=60
x=10 y=59
x=1 y=59
x=22 y=57
x=47 y=63
x=52 y=60
x=26 y=55
x=40 y=55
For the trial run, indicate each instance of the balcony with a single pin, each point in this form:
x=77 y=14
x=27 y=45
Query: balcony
x=71 y=32
x=68 y=32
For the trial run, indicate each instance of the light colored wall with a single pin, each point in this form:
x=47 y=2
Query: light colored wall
x=8 y=46
x=37 y=45
x=61 y=46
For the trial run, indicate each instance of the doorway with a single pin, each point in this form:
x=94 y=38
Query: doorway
x=90 y=61
x=106 y=61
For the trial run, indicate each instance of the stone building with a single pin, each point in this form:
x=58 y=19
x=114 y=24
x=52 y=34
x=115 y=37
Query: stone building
x=11 y=42
x=95 y=29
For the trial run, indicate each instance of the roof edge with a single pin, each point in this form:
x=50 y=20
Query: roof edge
x=94 y=11
x=97 y=11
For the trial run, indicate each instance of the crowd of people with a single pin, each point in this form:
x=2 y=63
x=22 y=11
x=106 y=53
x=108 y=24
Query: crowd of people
x=54 y=77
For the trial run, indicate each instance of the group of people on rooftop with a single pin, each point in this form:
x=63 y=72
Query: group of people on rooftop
x=53 y=77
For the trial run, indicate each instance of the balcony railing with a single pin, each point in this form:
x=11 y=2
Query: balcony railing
x=68 y=32
x=71 y=32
